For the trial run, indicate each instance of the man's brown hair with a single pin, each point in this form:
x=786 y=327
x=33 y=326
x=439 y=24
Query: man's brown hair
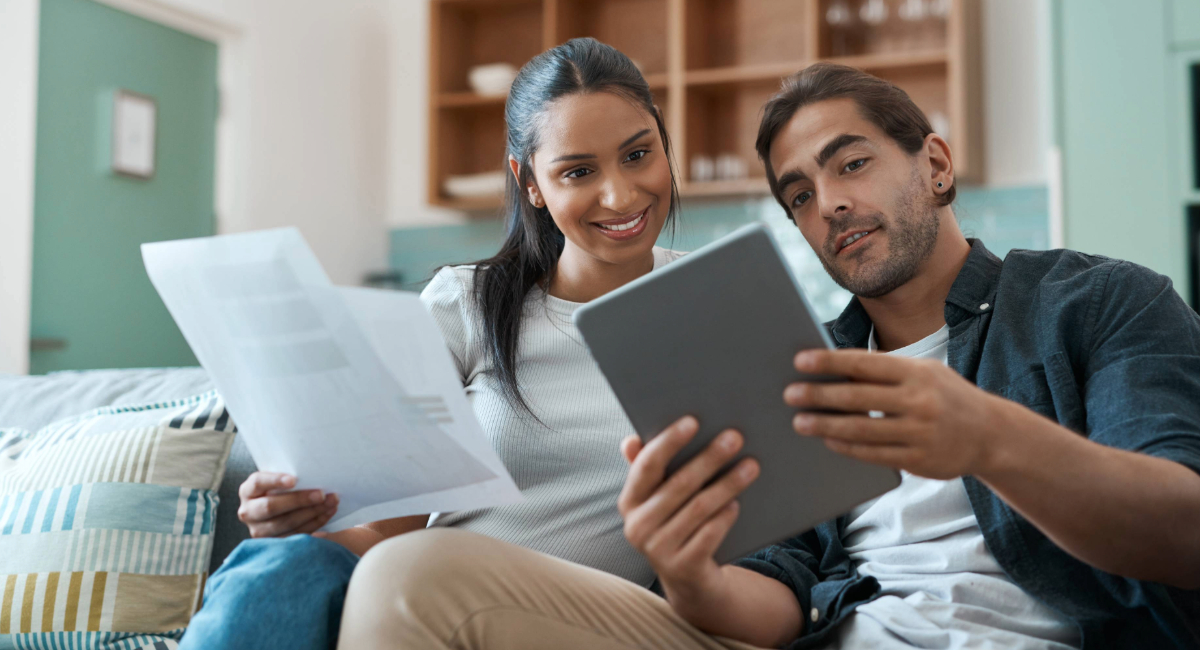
x=880 y=102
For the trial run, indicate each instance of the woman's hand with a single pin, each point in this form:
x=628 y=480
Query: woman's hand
x=271 y=513
x=677 y=522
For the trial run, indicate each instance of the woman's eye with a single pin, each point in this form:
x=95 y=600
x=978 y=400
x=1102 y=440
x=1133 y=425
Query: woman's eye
x=578 y=173
x=802 y=198
x=638 y=155
x=855 y=164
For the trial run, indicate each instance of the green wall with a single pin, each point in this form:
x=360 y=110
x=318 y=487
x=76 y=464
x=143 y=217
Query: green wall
x=89 y=285
x=1113 y=124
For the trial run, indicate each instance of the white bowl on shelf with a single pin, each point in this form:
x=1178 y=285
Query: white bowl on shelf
x=492 y=78
x=470 y=186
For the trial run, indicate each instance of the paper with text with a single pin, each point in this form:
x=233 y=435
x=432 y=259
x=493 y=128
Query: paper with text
x=351 y=390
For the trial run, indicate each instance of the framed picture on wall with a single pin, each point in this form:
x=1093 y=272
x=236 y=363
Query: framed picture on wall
x=135 y=119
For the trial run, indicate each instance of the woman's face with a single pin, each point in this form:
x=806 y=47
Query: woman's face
x=601 y=170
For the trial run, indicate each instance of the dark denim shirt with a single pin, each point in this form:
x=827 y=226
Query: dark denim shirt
x=1102 y=346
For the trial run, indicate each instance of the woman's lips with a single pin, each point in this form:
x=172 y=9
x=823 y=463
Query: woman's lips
x=630 y=226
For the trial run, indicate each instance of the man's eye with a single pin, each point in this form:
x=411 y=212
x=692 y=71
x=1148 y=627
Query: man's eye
x=802 y=198
x=638 y=155
x=578 y=173
x=855 y=164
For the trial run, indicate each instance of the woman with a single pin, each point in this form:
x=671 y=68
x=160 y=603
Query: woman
x=591 y=187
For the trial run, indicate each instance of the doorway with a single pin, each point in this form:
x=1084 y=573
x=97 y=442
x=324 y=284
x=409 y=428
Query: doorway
x=92 y=305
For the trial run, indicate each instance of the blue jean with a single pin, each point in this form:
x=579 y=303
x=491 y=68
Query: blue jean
x=274 y=593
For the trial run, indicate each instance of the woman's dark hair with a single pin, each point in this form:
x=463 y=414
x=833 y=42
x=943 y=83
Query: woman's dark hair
x=533 y=244
x=880 y=102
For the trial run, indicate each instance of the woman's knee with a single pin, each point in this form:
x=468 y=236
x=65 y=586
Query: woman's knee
x=418 y=561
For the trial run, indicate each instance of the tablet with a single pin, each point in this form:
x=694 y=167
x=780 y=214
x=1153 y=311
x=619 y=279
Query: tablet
x=713 y=335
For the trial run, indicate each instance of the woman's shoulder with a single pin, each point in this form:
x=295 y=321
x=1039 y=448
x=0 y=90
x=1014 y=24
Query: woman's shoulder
x=664 y=256
x=450 y=284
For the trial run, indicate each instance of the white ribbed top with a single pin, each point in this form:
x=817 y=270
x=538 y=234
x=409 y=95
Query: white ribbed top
x=569 y=468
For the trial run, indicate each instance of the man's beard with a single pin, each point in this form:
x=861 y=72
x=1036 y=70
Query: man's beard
x=911 y=239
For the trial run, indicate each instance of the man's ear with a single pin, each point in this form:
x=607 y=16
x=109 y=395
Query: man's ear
x=941 y=163
x=531 y=190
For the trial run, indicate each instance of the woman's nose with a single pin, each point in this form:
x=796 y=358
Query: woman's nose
x=618 y=195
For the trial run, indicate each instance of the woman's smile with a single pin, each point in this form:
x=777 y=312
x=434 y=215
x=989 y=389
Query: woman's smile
x=624 y=228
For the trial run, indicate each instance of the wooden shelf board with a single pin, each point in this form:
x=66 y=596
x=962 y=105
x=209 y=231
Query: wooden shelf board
x=893 y=61
x=775 y=71
x=473 y=204
x=451 y=100
x=657 y=80
x=738 y=74
x=739 y=187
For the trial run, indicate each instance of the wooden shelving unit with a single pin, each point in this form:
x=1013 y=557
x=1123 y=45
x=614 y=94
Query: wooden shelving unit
x=710 y=63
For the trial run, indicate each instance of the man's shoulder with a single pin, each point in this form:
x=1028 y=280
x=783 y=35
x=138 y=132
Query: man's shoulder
x=1061 y=274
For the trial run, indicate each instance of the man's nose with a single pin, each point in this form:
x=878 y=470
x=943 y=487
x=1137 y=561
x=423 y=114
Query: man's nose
x=834 y=204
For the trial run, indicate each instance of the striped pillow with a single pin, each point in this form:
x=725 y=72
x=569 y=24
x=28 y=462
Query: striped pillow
x=106 y=524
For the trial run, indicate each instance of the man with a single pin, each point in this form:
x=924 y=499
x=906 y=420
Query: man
x=1044 y=412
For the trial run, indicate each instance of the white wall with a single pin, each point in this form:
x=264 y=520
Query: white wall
x=18 y=110
x=305 y=86
x=1016 y=85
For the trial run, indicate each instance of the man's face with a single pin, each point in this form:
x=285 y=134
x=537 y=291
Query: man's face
x=841 y=176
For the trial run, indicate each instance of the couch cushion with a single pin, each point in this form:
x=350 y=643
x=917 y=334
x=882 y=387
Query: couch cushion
x=106 y=522
x=31 y=402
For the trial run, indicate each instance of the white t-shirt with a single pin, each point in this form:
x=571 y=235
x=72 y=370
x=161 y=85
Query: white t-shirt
x=568 y=467
x=941 y=586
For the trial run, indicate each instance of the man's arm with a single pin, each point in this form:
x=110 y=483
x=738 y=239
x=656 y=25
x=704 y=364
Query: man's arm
x=1123 y=512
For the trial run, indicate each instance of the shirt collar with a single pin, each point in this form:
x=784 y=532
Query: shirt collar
x=973 y=293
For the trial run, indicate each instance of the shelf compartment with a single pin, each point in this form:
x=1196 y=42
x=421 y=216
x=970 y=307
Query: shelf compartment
x=467 y=34
x=637 y=28
x=469 y=140
x=736 y=33
x=894 y=36
x=723 y=119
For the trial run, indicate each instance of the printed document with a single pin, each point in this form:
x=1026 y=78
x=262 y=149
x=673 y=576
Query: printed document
x=351 y=390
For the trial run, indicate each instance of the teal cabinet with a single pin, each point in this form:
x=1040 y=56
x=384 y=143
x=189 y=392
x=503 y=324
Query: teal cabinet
x=1114 y=126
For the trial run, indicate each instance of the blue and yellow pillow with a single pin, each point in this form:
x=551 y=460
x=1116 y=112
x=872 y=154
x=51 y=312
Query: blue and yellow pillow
x=106 y=524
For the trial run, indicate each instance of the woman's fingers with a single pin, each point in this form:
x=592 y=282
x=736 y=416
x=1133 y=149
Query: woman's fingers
x=265 y=508
x=702 y=507
x=287 y=524
x=631 y=446
x=331 y=503
x=647 y=470
x=261 y=483
x=689 y=479
x=704 y=542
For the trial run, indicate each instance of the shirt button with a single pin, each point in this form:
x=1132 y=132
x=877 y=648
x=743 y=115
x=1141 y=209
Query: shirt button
x=984 y=306
x=815 y=615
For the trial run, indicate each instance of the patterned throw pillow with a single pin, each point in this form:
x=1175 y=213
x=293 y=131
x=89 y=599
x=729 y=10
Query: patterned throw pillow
x=106 y=524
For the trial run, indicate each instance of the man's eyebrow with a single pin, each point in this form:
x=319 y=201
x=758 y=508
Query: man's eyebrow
x=789 y=177
x=584 y=156
x=835 y=145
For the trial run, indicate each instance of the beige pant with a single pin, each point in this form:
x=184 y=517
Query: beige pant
x=445 y=588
